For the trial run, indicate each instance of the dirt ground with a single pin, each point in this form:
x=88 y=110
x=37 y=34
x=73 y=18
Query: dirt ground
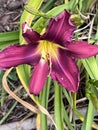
x=10 y=12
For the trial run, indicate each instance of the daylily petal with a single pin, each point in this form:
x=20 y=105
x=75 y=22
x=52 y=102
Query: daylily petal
x=39 y=77
x=16 y=54
x=60 y=29
x=29 y=34
x=65 y=71
x=81 y=49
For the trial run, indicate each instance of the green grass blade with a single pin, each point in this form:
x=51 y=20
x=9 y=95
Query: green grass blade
x=66 y=119
x=27 y=17
x=8 y=113
x=91 y=67
x=88 y=120
x=8 y=43
x=8 y=38
x=24 y=74
x=58 y=113
x=44 y=102
x=66 y=94
x=48 y=5
x=85 y=7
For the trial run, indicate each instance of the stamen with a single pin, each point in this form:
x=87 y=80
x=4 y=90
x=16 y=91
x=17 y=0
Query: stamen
x=50 y=65
x=60 y=47
x=49 y=50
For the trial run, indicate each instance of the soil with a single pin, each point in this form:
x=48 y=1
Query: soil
x=10 y=12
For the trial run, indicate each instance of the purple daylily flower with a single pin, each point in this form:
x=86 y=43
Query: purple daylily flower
x=52 y=53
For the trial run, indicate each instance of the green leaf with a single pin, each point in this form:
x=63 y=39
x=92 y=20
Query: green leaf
x=85 y=7
x=23 y=72
x=94 y=100
x=91 y=67
x=58 y=111
x=44 y=102
x=96 y=17
x=40 y=23
x=9 y=38
x=92 y=92
x=73 y=4
x=7 y=43
x=48 y=5
x=27 y=17
x=66 y=94
x=66 y=119
x=13 y=76
x=1 y=75
x=88 y=120
x=8 y=113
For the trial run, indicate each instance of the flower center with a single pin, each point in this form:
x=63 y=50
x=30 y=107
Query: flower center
x=48 y=49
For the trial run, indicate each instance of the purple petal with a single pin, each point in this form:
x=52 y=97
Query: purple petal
x=16 y=55
x=60 y=29
x=65 y=71
x=39 y=77
x=29 y=34
x=82 y=49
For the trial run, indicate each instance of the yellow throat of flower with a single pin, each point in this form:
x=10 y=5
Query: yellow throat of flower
x=48 y=49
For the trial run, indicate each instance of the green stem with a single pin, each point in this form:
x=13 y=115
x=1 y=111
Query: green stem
x=2 y=89
x=66 y=94
x=88 y=120
x=66 y=118
x=3 y=93
x=7 y=114
x=81 y=117
x=74 y=105
x=44 y=102
x=58 y=106
x=48 y=89
x=90 y=117
x=74 y=100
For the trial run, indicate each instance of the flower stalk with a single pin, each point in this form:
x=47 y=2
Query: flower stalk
x=44 y=102
x=36 y=12
x=58 y=108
